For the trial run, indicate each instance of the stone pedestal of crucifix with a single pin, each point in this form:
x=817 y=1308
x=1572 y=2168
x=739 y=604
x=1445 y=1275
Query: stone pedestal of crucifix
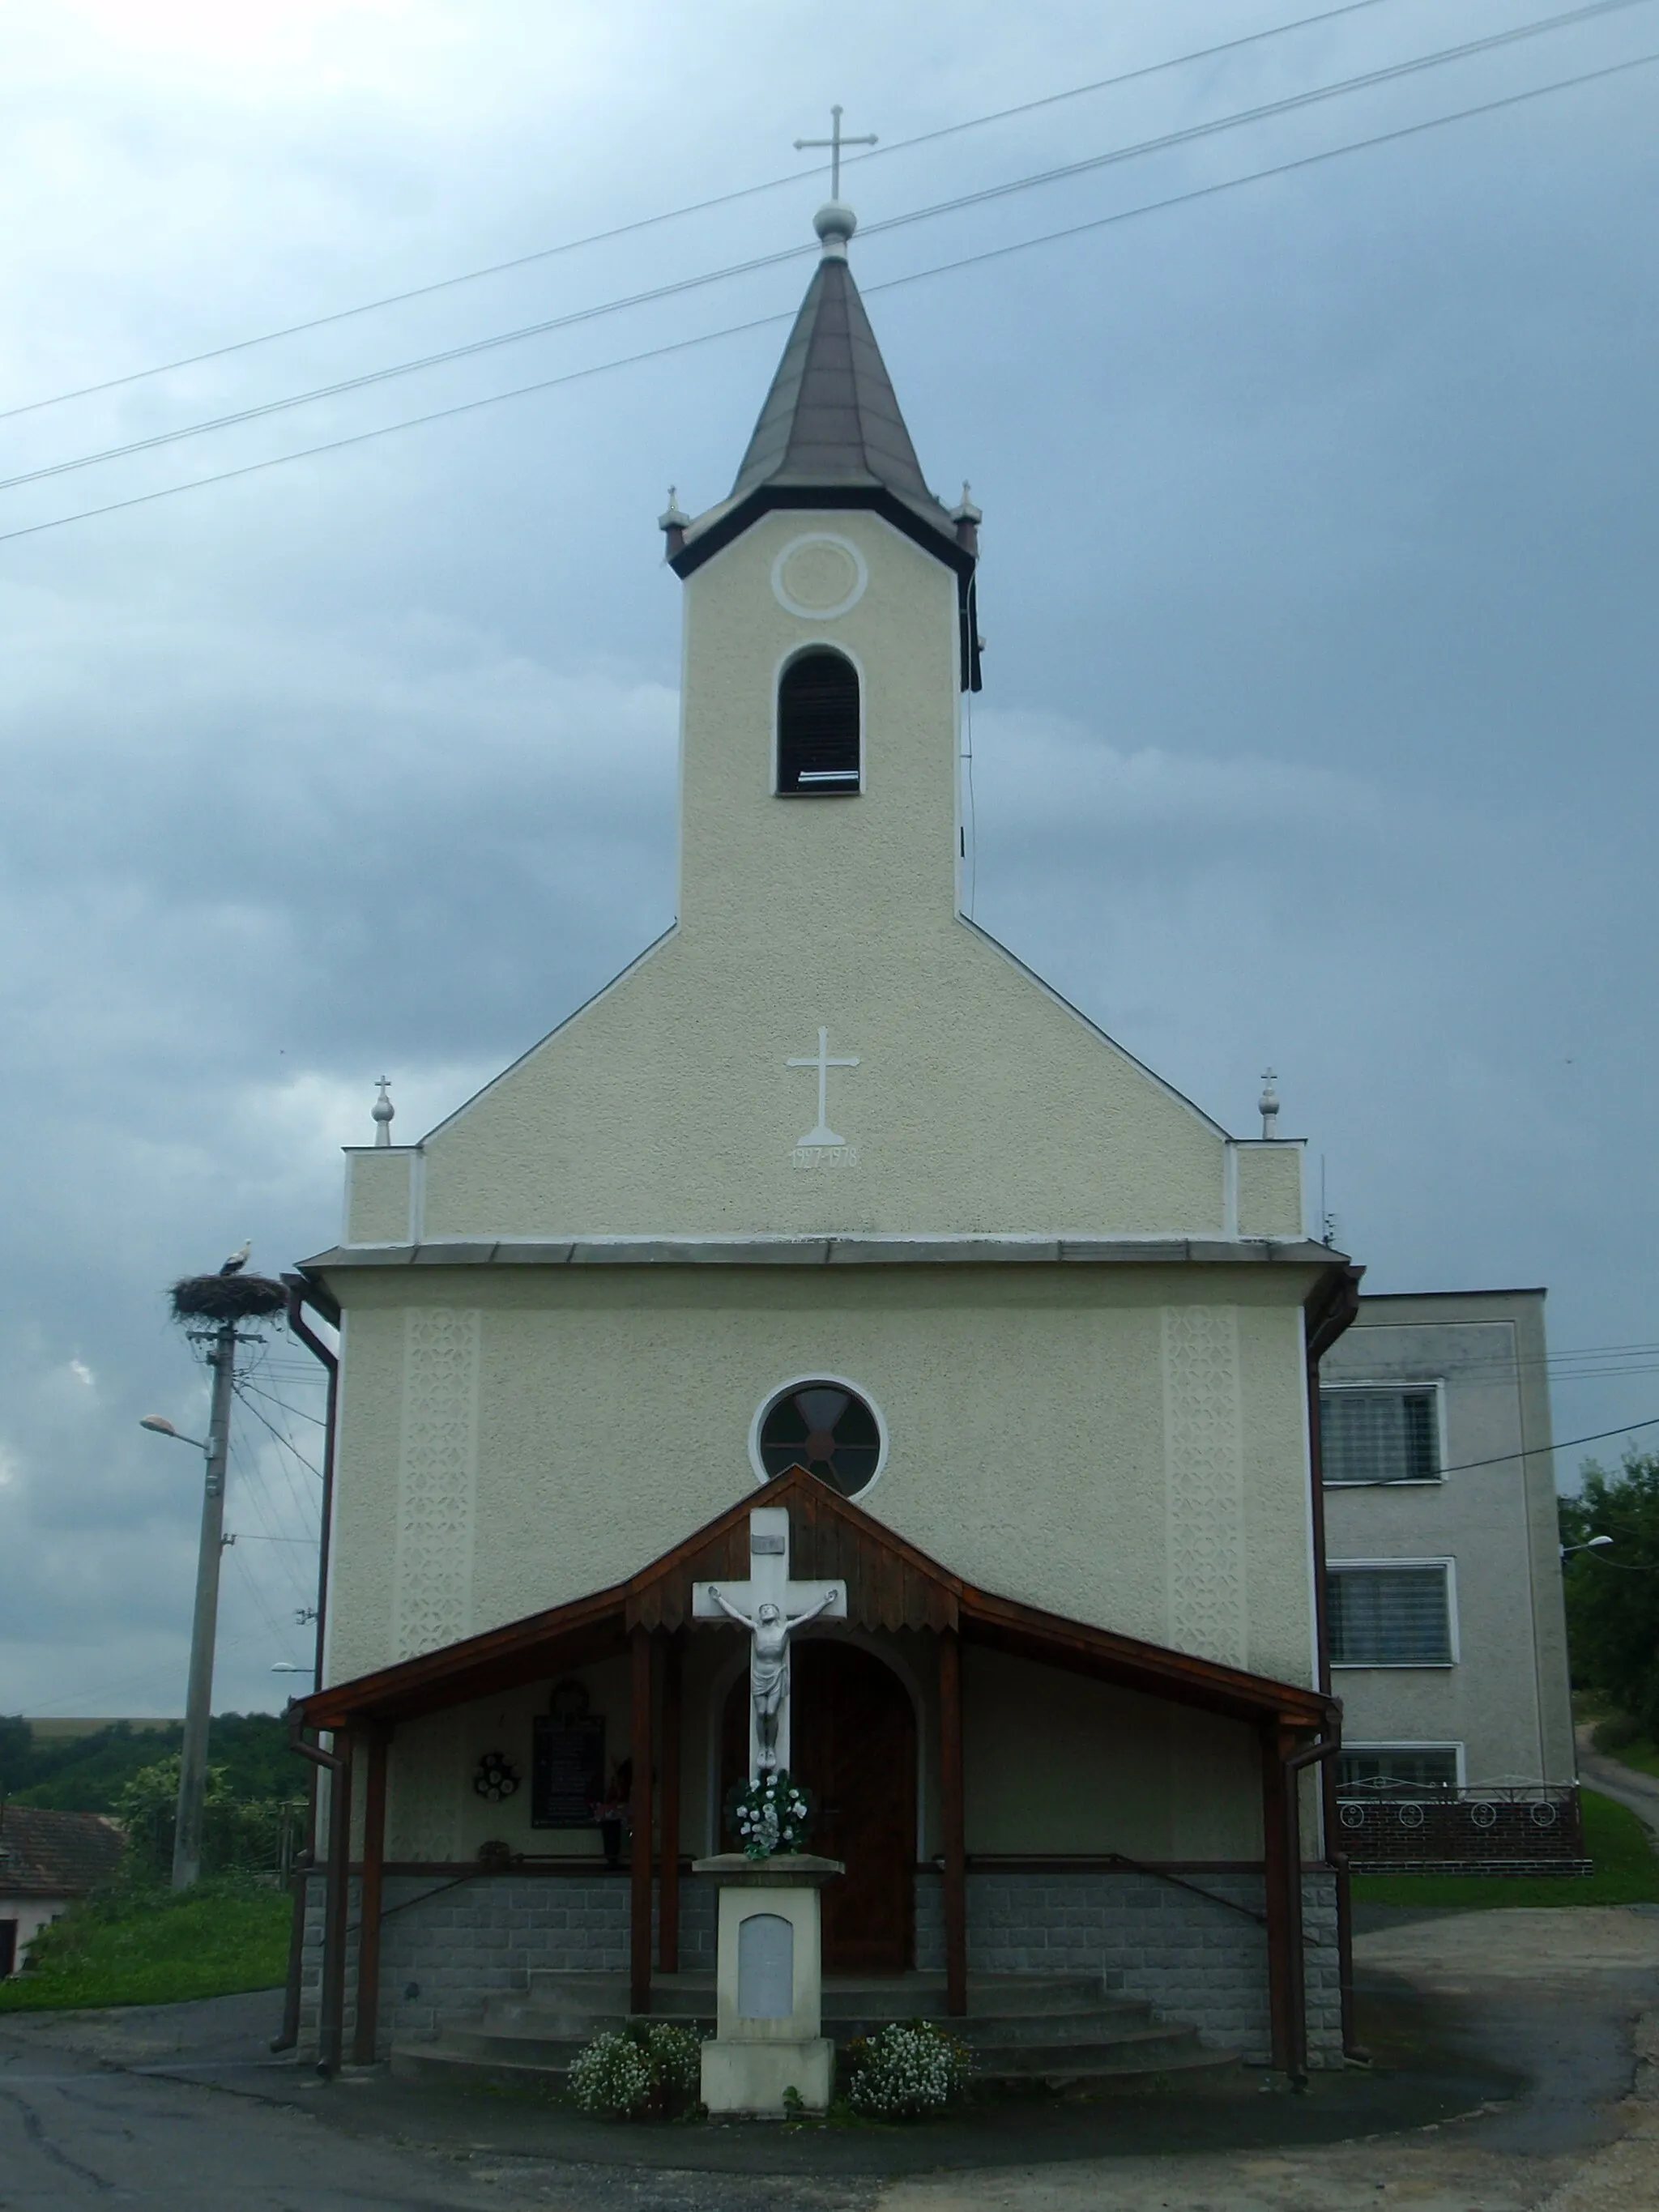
x=769 y=1958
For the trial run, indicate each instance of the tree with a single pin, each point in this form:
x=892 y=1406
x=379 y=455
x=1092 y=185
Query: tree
x=1612 y=1594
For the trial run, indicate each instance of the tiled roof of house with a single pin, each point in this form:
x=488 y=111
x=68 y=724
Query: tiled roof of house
x=46 y=1854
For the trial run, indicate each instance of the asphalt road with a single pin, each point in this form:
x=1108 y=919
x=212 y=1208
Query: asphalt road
x=1506 y=2061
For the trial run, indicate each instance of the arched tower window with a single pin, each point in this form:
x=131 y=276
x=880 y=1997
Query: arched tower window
x=818 y=727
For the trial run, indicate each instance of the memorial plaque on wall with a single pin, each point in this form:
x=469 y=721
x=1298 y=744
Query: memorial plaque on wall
x=567 y=1768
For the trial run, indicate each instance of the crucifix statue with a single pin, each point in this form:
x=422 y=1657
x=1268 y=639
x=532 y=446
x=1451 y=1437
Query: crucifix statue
x=835 y=141
x=771 y=1608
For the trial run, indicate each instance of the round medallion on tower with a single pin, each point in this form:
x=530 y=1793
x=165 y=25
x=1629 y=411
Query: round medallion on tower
x=819 y=577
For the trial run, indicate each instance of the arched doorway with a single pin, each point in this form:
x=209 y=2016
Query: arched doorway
x=854 y=1745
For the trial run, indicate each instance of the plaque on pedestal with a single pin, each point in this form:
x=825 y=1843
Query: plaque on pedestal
x=769 y=1985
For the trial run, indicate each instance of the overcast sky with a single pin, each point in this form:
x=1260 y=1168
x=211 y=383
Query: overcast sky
x=1319 y=583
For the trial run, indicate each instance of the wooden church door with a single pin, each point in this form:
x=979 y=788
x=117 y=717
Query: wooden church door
x=854 y=1745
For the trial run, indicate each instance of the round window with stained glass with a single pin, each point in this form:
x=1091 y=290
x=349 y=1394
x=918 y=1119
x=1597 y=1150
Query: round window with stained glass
x=825 y=1428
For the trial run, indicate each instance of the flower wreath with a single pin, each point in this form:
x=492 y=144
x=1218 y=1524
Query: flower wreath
x=772 y=1814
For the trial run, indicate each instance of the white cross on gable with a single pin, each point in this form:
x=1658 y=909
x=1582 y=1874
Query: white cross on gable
x=768 y=1584
x=823 y=1135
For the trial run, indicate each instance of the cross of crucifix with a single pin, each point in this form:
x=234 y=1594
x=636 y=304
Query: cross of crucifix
x=835 y=141
x=823 y=1134
x=768 y=1605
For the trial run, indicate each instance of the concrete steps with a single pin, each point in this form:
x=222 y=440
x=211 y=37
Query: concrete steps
x=1061 y=2030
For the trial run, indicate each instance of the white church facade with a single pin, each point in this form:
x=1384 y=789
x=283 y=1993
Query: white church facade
x=828 y=1203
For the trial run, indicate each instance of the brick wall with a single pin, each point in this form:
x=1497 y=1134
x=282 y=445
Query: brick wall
x=1470 y=1835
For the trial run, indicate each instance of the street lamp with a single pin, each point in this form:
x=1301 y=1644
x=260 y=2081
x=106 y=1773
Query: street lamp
x=159 y=1425
x=1591 y=1544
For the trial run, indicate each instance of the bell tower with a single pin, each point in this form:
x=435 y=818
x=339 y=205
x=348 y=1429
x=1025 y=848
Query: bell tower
x=830 y=631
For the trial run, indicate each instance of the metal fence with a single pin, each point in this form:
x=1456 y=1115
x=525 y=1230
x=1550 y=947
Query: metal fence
x=1523 y=1828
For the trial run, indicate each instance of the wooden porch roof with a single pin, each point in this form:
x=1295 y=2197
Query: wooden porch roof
x=890 y=1584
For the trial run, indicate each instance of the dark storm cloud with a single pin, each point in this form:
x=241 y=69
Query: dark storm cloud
x=1320 y=557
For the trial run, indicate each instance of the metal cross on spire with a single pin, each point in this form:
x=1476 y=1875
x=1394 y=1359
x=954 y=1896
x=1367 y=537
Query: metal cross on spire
x=835 y=141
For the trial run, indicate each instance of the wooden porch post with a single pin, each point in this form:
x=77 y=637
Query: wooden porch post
x=337 y=1901
x=639 y=1934
x=369 y=1902
x=1281 y=1825
x=668 y=1872
x=950 y=1788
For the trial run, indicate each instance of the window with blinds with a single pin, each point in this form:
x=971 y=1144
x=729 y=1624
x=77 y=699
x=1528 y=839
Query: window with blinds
x=1379 y=1435
x=1385 y=1770
x=1390 y=1616
x=818 y=727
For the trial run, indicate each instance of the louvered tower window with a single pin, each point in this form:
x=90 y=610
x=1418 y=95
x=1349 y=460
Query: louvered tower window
x=818 y=727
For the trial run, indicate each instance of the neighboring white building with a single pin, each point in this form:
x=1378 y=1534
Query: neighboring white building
x=1448 y=1640
x=47 y=1859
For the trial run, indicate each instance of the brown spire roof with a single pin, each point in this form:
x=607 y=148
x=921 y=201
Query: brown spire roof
x=831 y=434
x=832 y=417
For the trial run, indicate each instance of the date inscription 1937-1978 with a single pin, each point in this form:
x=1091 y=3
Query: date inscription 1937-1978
x=824 y=1156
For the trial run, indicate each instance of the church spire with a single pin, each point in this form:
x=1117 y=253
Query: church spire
x=832 y=417
x=830 y=433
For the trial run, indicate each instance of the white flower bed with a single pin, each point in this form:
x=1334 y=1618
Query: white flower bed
x=655 y=2069
x=907 y=2070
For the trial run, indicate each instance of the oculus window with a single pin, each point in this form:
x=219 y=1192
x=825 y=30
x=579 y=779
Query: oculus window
x=1390 y=1616
x=1380 y=1436
x=818 y=727
x=828 y=1430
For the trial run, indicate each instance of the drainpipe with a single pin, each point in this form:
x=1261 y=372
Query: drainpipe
x=298 y=1291
x=1335 y=1311
x=337 y=1894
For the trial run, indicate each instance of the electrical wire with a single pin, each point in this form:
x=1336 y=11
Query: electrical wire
x=287 y=1442
x=697 y=207
x=1290 y=104
x=1567 y=1444
x=893 y=283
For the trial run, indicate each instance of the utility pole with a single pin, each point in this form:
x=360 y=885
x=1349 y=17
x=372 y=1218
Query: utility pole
x=198 y=1705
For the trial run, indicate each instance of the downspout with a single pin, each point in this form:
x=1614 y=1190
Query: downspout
x=1336 y=1311
x=331 y=2022
x=298 y=1291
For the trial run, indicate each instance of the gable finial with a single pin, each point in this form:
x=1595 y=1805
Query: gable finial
x=673 y=522
x=1268 y=1102
x=383 y=1110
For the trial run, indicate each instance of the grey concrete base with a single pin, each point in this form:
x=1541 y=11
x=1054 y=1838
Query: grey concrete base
x=752 y=2078
x=448 y=1948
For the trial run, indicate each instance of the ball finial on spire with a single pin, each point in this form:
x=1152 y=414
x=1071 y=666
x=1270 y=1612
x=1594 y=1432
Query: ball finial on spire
x=1268 y=1103
x=383 y=1110
x=835 y=223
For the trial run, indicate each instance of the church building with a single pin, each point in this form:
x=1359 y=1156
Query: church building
x=827 y=1203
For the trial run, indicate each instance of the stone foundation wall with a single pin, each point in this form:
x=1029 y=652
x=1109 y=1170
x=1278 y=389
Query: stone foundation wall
x=448 y=1947
x=1197 y=1959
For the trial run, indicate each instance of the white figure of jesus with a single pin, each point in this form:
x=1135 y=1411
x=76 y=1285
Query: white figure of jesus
x=769 y=1628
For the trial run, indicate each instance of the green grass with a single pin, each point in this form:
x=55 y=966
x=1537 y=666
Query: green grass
x=1640 y=1752
x=1627 y=1873
x=158 y=1949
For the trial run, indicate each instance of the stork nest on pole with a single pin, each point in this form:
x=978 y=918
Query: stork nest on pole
x=226 y=1297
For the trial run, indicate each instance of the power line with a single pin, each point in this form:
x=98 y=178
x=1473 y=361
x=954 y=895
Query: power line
x=697 y=207
x=1190 y=134
x=287 y=1442
x=888 y=284
x=301 y=1414
x=1567 y=1444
